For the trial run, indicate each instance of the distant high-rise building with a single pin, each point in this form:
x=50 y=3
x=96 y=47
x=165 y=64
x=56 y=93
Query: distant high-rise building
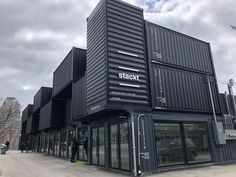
x=10 y=122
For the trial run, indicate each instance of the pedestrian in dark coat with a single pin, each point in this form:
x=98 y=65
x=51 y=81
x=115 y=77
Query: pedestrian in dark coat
x=7 y=144
x=74 y=149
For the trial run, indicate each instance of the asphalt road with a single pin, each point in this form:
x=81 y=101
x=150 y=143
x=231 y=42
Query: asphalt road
x=16 y=164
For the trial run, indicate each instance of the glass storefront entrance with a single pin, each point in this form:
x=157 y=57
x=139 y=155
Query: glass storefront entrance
x=83 y=144
x=71 y=136
x=119 y=147
x=181 y=143
x=63 y=144
x=98 y=149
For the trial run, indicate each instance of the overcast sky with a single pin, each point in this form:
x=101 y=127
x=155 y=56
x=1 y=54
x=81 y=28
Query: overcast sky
x=36 y=35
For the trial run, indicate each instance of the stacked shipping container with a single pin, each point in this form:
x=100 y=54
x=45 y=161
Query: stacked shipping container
x=180 y=67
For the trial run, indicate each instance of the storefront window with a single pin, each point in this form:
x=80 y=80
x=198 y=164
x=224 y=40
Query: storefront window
x=42 y=144
x=119 y=146
x=63 y=144
x=51 y=144
x=83 y=143
x=182 y=143
x=71 y=136
x=198 y=149
x=46 y=143
x=124 y=146
x=169 y=146
x=56 y=144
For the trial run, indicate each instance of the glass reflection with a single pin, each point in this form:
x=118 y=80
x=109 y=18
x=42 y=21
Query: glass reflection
x=169 y=144
x=198 y=149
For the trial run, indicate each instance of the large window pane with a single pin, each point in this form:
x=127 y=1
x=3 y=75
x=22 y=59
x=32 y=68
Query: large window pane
x=94 y=146
x=169 y=146
x=101 y=146
x=51 y=144
x=114 y=146
x=198 y=149
x=46 y=143
x=71 y=136
x=56 y=144
x=63 y=144
x=124 y=146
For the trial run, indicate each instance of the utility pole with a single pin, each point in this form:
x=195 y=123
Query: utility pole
x=231 y=94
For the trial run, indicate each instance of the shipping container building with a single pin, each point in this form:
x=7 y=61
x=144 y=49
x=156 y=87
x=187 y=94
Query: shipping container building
x=116 y=61
x=142 y=98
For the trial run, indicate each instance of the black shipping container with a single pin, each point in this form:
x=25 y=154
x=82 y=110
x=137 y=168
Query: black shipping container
x=79 y=98
x=52 y=115
x=43 y=96
x=29 y=125
x=71 y=69
x=175 y=89
x=116 y=61
x=27 y=112
x=168 y=47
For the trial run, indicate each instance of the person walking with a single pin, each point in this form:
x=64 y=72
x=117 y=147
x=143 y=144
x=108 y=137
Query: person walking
x=7 y=144
x=74 y=148
x=22 y=147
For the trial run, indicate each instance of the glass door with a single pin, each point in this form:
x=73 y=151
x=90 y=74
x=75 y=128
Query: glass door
x=51 y=144
x=98 y=149
x=124 y=146
x=83 y=144
x=56 y=144
x=71 y=136
x=119 y=146
x=114 y=143
x=63 y=144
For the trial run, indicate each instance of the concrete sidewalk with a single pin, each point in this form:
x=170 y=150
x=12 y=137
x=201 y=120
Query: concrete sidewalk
x=16 y=164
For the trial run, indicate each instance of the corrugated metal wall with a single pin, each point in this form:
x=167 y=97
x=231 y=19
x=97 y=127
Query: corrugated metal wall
x=63 y=74
x=176 y=89
x=27 y=112
x=71 y=68
x=45 y=116
x=52 y=115
x=58 y=114
x=170 y=47
x=224 y=153
x=68 y=109
x=29 y=125
x=79 y=63
x=116 y=61
x=79 y=98
x=42 y=97
x=96 y=58
x=128 y=82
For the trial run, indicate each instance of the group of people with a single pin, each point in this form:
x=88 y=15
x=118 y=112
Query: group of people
x=74 y=148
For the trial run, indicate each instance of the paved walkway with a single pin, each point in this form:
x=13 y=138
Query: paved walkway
x=16 y=164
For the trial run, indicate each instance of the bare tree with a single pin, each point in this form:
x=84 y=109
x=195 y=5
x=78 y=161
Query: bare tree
x=10 y=121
